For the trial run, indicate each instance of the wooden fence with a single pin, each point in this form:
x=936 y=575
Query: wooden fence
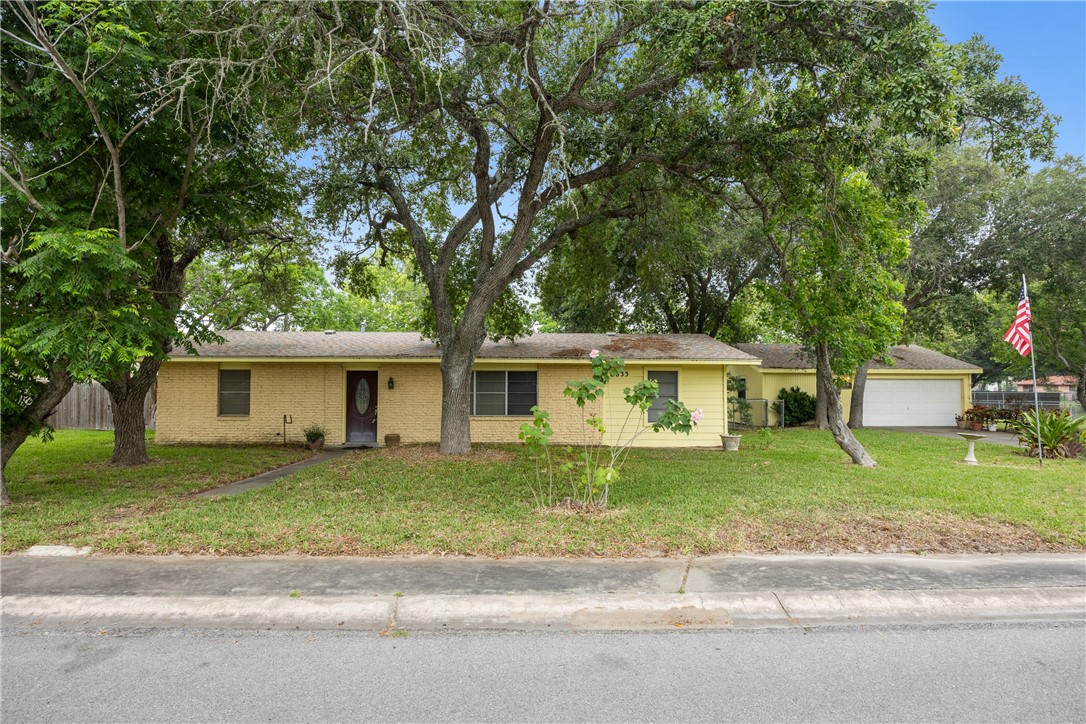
x=87 y=407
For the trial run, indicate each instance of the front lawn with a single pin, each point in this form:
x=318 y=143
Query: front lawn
x=799 y=494
x=65 y=491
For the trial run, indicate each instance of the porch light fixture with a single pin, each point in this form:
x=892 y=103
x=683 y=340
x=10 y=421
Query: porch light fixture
x=391 y=383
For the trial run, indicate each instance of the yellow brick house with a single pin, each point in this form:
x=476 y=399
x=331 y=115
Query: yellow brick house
x=257 y=387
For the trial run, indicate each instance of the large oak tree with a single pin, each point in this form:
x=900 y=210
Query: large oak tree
x=476 y=137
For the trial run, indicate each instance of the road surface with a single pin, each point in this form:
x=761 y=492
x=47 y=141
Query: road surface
x=988 y=672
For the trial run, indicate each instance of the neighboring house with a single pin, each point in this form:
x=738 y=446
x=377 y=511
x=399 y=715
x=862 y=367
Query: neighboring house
x=921 y=388
x=1059 y=383
x=362 y=386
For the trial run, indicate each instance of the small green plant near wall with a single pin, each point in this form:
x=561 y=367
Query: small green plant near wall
x=1061 y=435
x=313 y=433
x=314 y=437
x=592 y=472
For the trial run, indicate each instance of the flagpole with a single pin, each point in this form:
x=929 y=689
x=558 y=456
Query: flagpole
x=1036 y=403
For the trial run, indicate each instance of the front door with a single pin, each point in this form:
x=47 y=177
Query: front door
x=361 y=407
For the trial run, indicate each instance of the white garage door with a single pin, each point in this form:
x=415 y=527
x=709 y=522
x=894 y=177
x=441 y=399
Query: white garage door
x=891 y=403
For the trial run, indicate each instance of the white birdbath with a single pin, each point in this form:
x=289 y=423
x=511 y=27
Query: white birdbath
x=972 y=437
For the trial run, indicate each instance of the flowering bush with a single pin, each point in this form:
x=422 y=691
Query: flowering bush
x=596 y=467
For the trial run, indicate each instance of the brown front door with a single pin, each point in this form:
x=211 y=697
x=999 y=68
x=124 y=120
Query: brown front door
x=361 y=407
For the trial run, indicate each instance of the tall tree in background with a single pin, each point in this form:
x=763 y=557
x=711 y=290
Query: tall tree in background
x=139 y=141
x=1039 y=230
x=945 y=272
x=275 y=287
x=681 y=268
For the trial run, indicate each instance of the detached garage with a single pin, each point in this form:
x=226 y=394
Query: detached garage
x=921 y=388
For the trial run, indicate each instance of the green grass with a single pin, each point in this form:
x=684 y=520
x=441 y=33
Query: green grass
x=65 y=492
x=800 y=494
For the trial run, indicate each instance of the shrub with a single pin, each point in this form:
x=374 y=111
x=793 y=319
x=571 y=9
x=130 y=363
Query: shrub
x=1061 y=435
x=597 y=467
x=313 y=433
x=799 y=407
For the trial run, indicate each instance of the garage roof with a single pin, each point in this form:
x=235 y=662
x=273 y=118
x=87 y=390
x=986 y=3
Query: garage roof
x=904 y=356
x=411 y=345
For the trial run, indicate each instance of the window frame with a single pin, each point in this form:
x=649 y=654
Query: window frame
x=505 y=393
x=248 y=392
x=678 y=395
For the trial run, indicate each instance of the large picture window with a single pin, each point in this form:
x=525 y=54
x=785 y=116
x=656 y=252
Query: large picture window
x=669 y=390
x=234 y=393
x=503 y=393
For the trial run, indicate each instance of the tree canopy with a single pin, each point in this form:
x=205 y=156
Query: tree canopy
x=107 y=126
x=477 y=137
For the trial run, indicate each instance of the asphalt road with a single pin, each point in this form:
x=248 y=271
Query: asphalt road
x=1004 y=672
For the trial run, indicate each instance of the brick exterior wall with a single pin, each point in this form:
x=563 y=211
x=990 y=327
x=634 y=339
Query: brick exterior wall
x=189 y=403
x=316 y=392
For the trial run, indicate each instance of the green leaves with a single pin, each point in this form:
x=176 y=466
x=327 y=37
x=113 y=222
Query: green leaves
x=840 y=288
x=599 y=462
x=1060 y=434
x=75 y=304
x=536 y=435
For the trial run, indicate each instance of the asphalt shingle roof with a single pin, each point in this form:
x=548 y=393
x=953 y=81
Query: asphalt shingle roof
x=905 y=357
x=410 y=345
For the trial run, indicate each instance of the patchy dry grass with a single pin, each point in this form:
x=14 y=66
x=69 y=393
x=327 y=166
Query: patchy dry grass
x=799 y=494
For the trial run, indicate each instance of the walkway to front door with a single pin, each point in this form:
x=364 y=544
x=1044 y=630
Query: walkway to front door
x=362 y=406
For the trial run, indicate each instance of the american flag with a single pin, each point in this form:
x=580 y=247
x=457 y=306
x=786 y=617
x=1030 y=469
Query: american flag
x=1019 y=335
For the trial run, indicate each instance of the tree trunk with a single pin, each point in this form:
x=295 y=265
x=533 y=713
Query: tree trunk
x=1080 y=389
x=821 y=419
x=856 y=405
x=456 y=405
x=10 y=443
x=841 y=434
x=126 y=396
x=57 y=386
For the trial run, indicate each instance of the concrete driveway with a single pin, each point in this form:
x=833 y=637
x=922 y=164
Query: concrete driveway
x=998 y=438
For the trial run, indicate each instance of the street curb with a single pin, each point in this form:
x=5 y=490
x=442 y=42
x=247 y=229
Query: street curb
x=619 y=612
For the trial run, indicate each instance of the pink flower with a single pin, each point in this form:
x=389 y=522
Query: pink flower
x=594 y=354
x=696 y=416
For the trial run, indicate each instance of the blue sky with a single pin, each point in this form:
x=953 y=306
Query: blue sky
x=1044 y=43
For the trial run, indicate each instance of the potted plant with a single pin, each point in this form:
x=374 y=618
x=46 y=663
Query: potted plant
x=961 y=421
x=730 y=442
x=314 y=437
x=976 y=416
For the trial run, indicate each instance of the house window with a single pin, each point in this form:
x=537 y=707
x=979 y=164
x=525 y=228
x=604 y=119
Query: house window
x=669 y=390
x=234 y=393
x=503 y=393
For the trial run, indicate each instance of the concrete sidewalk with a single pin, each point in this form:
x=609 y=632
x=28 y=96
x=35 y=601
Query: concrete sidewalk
x=426 y=593
x=267 y=478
